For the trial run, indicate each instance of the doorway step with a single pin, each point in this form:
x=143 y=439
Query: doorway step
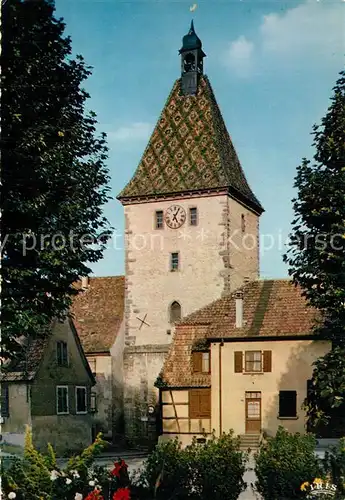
x=250 y=442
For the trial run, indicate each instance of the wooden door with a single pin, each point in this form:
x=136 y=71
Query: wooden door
x=253 y=412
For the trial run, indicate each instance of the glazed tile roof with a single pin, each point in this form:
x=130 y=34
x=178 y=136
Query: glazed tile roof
x=271 y=308
x=190 y=150
x=98 y=312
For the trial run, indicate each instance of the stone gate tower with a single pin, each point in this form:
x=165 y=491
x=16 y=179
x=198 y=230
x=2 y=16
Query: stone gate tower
x=191 y=224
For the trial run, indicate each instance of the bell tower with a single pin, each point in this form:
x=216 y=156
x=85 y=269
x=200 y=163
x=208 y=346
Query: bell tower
x=191 y=222
x=192 y=57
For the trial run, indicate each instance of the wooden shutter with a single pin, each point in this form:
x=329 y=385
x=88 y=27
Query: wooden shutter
x=287 y=404
x=267 y=361
x=238 y=361
x=194 y=403
x=197 y=362
x=200 y=403
x=205 y=403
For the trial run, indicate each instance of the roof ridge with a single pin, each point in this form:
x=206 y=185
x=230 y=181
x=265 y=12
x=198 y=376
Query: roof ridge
x=114 y=276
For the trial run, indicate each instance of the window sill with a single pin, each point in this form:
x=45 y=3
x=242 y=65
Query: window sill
x=63 y=413
x=204 y=417
x=81 y=412
x=253 y=373
x=287 y=418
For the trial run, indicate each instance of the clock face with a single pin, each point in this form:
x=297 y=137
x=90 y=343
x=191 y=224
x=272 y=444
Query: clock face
x=175 y=216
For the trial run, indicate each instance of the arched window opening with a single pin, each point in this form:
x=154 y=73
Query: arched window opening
x=175 y=312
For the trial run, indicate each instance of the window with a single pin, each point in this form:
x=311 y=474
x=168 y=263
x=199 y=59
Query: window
x=61 y=353
x=159 y=219
x=62 y=407
x=243 y=223
x=175 y=312
x=93 y=402
x=80 y=400
x=193 y=216
x=206 y=362
x=174 y=262
x=92 y=364
x=287 y=404
x=201 y=362
x=200 y=403
x=5 y=409
x=253 y=361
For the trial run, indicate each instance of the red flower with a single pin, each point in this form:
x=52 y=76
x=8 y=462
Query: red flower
x=94 y=495
x=118 y=468
x=122 y=494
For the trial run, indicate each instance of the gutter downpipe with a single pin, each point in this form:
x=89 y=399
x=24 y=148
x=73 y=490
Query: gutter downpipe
x=220 y=388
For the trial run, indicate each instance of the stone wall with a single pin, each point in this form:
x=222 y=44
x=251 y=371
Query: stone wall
x=212 y=262
x=101 y=364
x=142 y=365
x=66 y=433
x=13 y=427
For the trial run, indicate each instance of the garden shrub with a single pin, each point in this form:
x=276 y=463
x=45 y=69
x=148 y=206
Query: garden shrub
x=334 y=466
x=284 y=463
x=166 y=472
x=219 y=466
x=197 y=472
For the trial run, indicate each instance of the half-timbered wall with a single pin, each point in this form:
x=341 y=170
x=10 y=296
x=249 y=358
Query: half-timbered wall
x=178 y=410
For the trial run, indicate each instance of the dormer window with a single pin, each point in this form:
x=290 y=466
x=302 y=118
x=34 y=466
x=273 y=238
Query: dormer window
x=201 y=362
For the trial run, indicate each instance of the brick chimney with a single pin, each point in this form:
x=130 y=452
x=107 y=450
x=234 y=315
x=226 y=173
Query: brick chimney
x=239 y=309
x=85 y=282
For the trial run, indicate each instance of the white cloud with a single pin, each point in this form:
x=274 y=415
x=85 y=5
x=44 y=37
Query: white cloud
x=133 y=132
x=315 y=28
x=239 y=56
x=310 y=31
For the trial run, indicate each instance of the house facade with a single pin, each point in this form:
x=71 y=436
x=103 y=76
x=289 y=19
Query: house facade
x=241 y=363
x=50 y=392
x=97 y=313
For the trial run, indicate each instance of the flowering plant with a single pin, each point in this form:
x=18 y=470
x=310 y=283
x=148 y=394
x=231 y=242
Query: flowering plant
x=38 y=477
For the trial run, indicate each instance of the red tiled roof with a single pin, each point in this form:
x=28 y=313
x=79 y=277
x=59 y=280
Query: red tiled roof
x=271 y=308
x=98 y=312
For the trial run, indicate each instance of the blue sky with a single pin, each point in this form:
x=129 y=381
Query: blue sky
x=272 y=66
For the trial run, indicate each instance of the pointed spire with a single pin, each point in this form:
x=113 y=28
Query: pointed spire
x=191 y=29
x=191 y=41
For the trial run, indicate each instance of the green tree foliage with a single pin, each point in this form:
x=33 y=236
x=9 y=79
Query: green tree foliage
x=316 y=256
x=54 y=179
x=284 y=463
x=325 y=404
x=334 y=466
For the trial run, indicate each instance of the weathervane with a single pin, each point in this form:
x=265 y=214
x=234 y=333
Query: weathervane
x=193 y=7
